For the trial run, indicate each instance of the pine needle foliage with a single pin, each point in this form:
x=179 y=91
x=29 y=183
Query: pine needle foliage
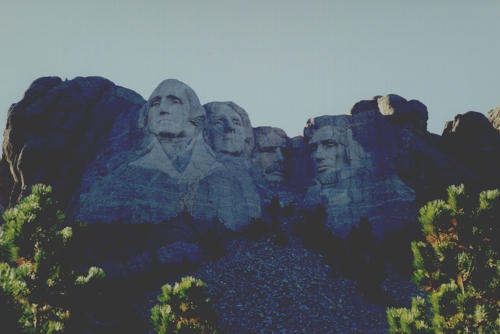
x=458 y=265
x=184 y=309
x=35 y=265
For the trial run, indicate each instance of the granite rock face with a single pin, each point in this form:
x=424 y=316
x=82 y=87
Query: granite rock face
x=354 y=162
x=155 y=177
x=369 y=164
x=494 y=117
x=473 y=140
x=152 y=170
x=57 y=129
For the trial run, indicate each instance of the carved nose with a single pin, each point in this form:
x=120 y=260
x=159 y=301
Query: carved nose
x=163 y=108
x=278 y=156
x=229 y=127
x=318 y=155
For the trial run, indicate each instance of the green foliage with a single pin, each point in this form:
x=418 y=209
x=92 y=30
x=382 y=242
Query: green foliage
x=35 y=269
x=458 y=264
x=413 y=320
x=183 y=309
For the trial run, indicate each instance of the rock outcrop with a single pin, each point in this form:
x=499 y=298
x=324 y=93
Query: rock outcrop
x=475 y=143
x=369 y=164
x=494 y=117
x=57 y=129
x=155 y=177
x=153 y=171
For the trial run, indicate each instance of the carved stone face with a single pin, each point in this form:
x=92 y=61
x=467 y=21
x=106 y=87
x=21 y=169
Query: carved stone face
x=328 y=151
x=270 y=155
x=169 y=111
x=226 y=132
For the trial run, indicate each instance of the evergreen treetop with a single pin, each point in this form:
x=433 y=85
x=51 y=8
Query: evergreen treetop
x=458 y=265
x=36 y=268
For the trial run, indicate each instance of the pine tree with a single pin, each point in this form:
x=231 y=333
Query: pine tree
x=35 y=269
x=184 y=308
x=458 y=265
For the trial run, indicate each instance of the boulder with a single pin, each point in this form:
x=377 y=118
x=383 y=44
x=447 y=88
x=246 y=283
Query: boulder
x=474 y=142
x=420 y=116
x=362 y=106
x=396 y=106
x=57 y=129
x=494 y=117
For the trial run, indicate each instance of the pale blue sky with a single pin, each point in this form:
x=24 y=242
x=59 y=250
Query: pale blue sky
x=282 y=61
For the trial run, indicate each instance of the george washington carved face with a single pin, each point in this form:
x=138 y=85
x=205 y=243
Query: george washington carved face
x=174 y=110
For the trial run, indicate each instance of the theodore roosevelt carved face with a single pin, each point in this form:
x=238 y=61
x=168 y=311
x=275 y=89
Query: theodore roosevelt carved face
x=270 y=155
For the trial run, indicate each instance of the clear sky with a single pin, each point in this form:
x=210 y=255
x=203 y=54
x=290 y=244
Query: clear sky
x=283 y=61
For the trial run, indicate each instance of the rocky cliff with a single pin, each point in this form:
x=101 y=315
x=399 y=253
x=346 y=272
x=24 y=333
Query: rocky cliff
x=153 y=177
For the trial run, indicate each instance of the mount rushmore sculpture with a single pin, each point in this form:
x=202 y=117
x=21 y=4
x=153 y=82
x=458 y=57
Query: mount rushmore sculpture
x=114 y=158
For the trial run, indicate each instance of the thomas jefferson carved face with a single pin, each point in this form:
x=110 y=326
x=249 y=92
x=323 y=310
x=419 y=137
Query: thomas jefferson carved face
x=170 y=110
x=328 y=151
x=226 y=132
x=270 y=154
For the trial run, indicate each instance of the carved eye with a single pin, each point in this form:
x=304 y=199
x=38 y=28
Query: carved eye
x=312 y=147
x=268 y=149
x=330 y=145
x=155 y=103
x=237 y=123
x=219 y=122
x=174 y=99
